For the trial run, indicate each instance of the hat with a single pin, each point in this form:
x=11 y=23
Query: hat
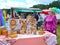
x=50 y=10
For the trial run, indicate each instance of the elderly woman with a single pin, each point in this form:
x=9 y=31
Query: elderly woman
x=50 y=22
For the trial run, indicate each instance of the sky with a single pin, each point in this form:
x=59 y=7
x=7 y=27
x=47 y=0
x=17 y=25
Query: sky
x=22 y=3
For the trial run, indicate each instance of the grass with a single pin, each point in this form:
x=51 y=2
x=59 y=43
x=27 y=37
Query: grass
x=58 y=34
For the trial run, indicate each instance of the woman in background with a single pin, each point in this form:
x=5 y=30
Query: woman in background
x=51 y=22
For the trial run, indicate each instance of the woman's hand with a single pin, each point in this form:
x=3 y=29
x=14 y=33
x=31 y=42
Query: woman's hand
x=54 y=31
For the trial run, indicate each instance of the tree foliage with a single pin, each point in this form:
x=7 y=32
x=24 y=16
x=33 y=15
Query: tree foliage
x=53 y=4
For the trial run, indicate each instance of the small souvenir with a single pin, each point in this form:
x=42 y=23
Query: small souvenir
x=34 y=32
x=13 y=23
x=2 y=28
x=22 y=31
x=41 y=30
x=28 y=32
x=13 y=35
x=5 y=32
x=18 y=31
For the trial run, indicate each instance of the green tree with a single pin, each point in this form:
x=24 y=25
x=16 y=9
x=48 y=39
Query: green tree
x=41 y=6
x=56 y=4
x=53 y=4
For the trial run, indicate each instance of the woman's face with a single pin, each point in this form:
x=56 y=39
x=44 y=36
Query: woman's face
x=50 y=13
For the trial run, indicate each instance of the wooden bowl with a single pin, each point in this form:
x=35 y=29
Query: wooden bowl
x=13 y=35
x=41 y=32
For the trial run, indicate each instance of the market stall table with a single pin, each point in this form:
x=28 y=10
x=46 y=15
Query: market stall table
x=29 y=39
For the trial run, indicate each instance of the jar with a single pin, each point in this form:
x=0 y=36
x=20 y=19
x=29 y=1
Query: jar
x=18 y=31
x=4 y=32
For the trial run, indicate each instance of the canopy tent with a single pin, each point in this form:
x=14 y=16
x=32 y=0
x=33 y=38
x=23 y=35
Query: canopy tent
x=38 y=11
x=16 y=10
x=32 y=10
x=27 y=10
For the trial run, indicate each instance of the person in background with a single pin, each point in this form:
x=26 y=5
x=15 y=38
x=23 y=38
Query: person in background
x=8 y=16
x=36 y=16
x=40 y=20
x=16 y=15
x=43 y=16
x=50 y=22
x=7 y=25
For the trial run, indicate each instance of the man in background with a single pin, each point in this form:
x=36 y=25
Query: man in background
x=39 y=21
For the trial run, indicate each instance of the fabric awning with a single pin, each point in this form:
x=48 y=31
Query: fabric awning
x=16 y=10
x=26 y=10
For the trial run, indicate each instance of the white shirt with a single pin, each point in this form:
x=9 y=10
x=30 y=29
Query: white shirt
x=40 y=19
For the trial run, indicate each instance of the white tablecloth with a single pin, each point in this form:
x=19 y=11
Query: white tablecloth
x=51 y=40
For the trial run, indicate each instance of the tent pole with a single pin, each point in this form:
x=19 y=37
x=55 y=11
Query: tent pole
x=12 y=13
